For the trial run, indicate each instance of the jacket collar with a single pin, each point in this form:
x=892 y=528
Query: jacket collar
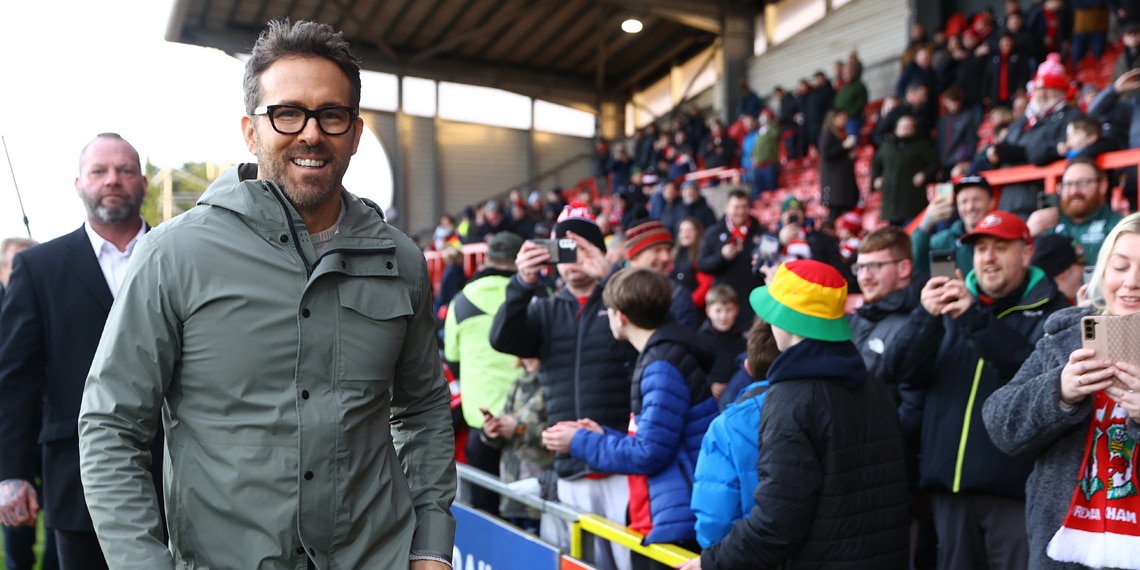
x=263 y=207
x=810 y=359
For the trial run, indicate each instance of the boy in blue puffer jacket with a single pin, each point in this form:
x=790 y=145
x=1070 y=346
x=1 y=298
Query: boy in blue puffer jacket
x=672 y=408
x=726 y=468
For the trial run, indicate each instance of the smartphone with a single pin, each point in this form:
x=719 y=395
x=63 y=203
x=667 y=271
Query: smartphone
x=487 y=415
x=769 y=248
x=1112 y=336
x=944 y=190
x=1047 y=200
x=943 y=262
x=562 y=250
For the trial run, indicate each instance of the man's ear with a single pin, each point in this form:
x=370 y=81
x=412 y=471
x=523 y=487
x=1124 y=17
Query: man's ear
x=906 y=268
x=247 y=131
x=748 y=368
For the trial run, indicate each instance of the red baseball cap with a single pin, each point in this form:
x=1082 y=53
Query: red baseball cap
x=1002 y=225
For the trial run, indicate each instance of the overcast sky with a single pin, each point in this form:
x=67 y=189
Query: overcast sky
x=76 y=68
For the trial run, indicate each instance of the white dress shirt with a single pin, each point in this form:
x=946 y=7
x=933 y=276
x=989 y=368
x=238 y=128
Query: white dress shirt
x=112 y=261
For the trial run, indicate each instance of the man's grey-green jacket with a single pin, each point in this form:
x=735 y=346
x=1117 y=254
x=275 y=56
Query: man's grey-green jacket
x=305 y=410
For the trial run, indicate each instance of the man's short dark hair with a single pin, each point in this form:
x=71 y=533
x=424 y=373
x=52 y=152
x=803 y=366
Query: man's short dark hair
x=915 y=86
x=761 y=349
x=954 y=93
x=642 y=295
x=282 y=38
x=737 y=193
x=891 y=238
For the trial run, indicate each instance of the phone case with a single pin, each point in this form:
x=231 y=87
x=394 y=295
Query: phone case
x=942 y=263
x=1112 y=336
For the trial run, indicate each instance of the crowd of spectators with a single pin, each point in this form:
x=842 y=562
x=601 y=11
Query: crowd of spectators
x=671 y=312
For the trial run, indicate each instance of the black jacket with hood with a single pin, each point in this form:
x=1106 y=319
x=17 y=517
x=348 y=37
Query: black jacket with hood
x=584 y=372
x=832 y=485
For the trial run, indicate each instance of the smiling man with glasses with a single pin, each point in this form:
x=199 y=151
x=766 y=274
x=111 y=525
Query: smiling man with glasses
x=1084 y=214
x=282 y=332
x=884 y=270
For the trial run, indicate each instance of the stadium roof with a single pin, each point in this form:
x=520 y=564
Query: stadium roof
x=571 y=52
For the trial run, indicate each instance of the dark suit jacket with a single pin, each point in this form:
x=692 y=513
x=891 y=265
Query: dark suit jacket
x=51 y=318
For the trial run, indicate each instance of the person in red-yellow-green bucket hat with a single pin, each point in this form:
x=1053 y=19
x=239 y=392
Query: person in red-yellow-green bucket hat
x=832 y=486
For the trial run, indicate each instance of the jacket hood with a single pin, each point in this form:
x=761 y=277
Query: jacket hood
x=820 y=360
x=1038 y=288
x=673 y=332
x=262 y=205
x=488 y=291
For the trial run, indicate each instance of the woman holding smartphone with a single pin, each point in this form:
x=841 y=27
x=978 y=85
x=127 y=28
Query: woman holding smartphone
x=1078 y=415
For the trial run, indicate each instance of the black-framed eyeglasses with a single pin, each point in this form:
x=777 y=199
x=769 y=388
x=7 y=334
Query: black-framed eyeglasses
x=872 y=266
x=1078 y=184
x=291 y=119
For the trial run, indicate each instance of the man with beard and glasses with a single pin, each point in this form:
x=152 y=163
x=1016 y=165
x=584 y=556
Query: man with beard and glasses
x=1084 y=214
x=282 y=333
x=54 y=309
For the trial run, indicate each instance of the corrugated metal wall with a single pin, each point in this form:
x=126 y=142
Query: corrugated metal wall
x=418 y=161
x=561 y=160
x=475 y=162
x=877 y=29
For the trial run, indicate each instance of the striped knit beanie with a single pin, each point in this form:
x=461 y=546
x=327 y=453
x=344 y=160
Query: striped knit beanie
x=806 y=297
x=643 y=234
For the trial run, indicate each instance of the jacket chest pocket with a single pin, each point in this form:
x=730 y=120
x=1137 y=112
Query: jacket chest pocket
x=373 y=320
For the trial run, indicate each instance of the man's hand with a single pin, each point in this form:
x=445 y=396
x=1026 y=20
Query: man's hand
x=590 y=258
x=1128 y=81
x=557 y=437
x=717 y=389
x=730 y=250
x=958 y=297
x=530 y=260
x=18 y=503
x=939 y=209
x=590 y=425
x=788 y=233
x=428 y=565
x=936 y=295
x=501 y=426
x=992 y=155
x=1043 y=220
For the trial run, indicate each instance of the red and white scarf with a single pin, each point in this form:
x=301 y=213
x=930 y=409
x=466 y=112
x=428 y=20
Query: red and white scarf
x=1101 y=528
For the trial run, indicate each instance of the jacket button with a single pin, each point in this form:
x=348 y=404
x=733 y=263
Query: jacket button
x=284 y=238
x=312 y=552
x=300 y=550
x=308 y=475
x=304 y=394
x=388 y=265
x=305 y=312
